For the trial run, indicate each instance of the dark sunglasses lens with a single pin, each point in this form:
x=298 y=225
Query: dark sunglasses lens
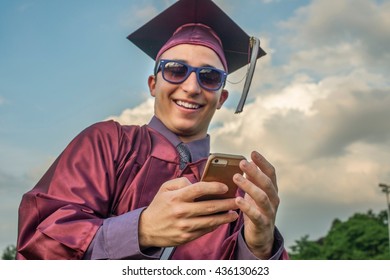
x=175 y=72
x=210 y=78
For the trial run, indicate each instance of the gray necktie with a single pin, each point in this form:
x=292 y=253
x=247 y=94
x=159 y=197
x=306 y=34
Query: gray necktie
x=185 y=155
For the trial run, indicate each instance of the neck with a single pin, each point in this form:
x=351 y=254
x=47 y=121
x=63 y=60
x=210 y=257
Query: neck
x=189 y=138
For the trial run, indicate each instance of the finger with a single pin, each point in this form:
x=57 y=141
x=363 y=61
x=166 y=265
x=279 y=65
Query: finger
x=190 y=229
x=194 y=191
x=175 y=184
x=208 y=223
x=260 y=179
x=259 y=197
x=265 y=166
x=251 y=212
x=210 y=207
x=192 y=209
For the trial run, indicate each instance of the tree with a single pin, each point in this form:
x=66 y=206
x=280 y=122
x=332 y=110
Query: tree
x=9 y=253
x=306 y=249
x=361 y=237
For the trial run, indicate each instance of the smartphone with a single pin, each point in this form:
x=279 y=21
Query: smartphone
x=221 y=168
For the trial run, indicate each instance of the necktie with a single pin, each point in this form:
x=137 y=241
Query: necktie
x=185 y=155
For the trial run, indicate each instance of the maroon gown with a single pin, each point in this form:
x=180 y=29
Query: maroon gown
x=106 y=171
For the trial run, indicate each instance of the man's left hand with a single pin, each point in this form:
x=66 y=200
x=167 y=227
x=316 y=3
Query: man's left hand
x=259 y=205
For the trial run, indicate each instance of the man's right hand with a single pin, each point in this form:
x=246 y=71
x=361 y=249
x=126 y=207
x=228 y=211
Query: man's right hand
x=173 y=218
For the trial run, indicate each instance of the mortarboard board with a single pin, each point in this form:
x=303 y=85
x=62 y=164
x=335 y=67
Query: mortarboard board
x=237 y=45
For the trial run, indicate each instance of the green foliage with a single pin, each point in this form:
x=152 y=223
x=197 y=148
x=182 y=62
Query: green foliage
x=306 y=249
x=9 y=253
x=361 y=237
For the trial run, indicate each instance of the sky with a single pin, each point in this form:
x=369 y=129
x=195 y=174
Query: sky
x=318 y=108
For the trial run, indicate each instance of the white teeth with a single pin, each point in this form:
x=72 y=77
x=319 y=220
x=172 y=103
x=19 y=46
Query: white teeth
x=187 y=105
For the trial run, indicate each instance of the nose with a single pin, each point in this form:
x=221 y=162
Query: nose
x=191 y=85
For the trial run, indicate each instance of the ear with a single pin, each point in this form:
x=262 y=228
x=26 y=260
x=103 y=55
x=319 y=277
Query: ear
x=152 y=85
x=222 y=98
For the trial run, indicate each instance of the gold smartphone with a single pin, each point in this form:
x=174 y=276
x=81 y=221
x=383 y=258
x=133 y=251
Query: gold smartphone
x=221 y=168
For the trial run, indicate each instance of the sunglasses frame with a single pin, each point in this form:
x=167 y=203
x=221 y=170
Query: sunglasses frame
x=161 y=66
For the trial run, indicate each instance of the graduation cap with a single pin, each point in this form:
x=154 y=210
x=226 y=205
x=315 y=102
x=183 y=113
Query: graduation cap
x=239 y=49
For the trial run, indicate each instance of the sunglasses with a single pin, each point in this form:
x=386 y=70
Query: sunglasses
x=176 y=72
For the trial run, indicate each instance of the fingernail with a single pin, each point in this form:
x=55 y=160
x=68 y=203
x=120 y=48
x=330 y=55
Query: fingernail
x=256 y=154
x=238 y=177
x=239 y=200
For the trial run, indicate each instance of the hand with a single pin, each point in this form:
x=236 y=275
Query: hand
x=173 y=218
x=259 y=204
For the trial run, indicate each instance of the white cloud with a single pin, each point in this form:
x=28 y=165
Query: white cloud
x=299 y=95
x=365 y=28
x=137 y=116
x=328 y=24
x=138 y=15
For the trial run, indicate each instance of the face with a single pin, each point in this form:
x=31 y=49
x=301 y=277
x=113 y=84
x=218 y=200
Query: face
x=187 y=109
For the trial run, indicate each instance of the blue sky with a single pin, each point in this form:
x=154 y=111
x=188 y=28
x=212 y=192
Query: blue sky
x=69 y=60
x=318 y=106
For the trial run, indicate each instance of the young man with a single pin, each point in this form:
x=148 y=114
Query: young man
x=121 y=192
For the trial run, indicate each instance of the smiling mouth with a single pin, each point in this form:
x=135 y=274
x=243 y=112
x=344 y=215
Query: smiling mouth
x=187 y=105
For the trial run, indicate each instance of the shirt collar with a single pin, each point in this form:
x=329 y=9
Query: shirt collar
x=199 y=148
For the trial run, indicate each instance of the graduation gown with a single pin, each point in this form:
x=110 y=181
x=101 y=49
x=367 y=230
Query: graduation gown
x=106 y=171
